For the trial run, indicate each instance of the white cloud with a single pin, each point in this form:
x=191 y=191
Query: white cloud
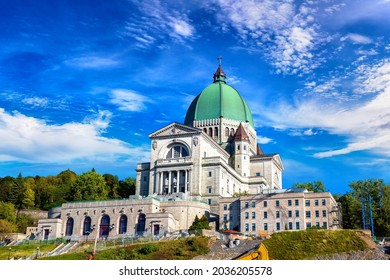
x=36 y=101
x=128 y=100
x=158 y=23
x=357 y=38
x=264 y=140
x=27 y=139
x=365 y=124
x=92 y=62
x=283 y=31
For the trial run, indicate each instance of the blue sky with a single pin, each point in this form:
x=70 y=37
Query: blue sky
x=83 y=83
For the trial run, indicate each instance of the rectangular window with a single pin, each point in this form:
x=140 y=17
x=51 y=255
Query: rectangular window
x=246 y=204
x=290 y=225
x=225 y=217
x=317 y=213
x=308 y=215
x=297 y=225
x=277 y=203
x=246 y=227
x=316 y=202
x=290 y=214
x=307 y=202
x=231 y=217
x=225 y=207
x=230 y=206
x=297 y=213
x=325 y=225
x=257 y=174
x=265 y=203
x=253 y=215
x=296 y=202
x=323 y=202
x=209 y=189
x=277 y=214
x=210 y=174
x=265 y=226
x=308 y=225
x=253 y=204
x=323 y=213
x=265 y=214
x=253 y=227
x=209 y=201
x=246 y=215
x=277 y=226
x=289 y=202
x=317 y=224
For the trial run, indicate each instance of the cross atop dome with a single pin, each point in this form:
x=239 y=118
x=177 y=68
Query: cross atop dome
x=219 y=75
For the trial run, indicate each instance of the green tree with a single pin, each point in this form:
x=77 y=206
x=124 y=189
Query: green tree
x=6 y=184
x=23 y=221
x=113 y=184
x=90 y=186
x=7 y=211
x=200 y=224
x=126 y=187
x=6 y=227
x=351 y=211
x=316 y=186
x=16 y=193
x=28 y=201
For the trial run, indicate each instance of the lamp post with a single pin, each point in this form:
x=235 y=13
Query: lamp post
x=9 y=253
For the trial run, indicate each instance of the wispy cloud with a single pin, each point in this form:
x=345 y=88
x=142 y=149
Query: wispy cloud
x=356 y=38
x=366 y=123
x=92 y=62
x=128 y=100
x=27 y=139
x=36 y=101
x=157 y=24
x=287 y=34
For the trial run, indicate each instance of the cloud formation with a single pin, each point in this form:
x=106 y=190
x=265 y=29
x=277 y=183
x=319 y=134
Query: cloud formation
x=128 y=100
x=366 y=123
x=27 y=139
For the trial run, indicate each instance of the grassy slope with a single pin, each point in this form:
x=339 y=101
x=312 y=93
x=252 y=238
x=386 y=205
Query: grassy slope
x=25 y=250
x=181 y=249
x=304 y=245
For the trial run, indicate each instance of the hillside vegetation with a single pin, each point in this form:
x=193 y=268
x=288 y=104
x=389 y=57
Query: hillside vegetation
x=305 y=245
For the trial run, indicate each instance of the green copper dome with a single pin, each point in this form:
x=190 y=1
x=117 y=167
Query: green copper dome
x=219 y=100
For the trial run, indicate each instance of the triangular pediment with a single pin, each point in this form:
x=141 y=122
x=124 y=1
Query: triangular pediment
x=174 y=129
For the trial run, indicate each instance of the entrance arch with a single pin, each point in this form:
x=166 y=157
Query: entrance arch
x=104 y=226
x=69 y=227
x=141 y=224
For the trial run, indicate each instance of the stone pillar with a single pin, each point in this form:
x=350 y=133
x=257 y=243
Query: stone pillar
x=169 y=182
x=185 y=181
x=178 y=181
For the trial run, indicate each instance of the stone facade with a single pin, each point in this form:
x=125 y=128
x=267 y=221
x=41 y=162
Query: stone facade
x=294 y=209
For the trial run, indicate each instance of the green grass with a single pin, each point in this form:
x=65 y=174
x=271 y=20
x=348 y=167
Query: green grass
x=181 y=249
x=306 y=244
x=25 y=250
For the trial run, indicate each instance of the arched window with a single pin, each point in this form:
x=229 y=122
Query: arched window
x=177 y=151
x=205 y=130
x=226 y=131
x=69 y=227
x=141 y=224
x=104 y=226
x=216 y=131
x=87 y=225
x=232 y=132
x=210 y=131
x=123 y=224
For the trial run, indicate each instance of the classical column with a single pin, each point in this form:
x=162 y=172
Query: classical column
x=169 y=182
x=178 y=181
x=185 y=181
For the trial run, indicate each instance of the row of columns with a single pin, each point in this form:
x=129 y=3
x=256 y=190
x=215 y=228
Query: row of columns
x=171 y=181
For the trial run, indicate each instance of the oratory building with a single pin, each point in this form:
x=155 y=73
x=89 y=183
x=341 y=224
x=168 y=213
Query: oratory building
x=213 y=155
